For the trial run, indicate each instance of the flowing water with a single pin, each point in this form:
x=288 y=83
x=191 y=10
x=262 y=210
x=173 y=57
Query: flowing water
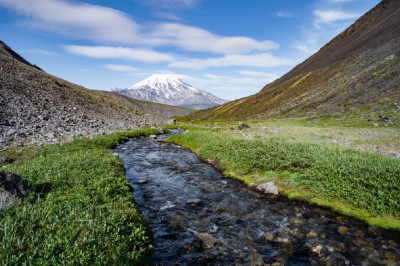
x=199 y=217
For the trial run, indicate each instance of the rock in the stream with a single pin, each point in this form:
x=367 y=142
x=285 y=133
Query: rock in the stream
x=153 y=136
x=268 y=188
x=207 y=240
x=193 y=201
x=13 y=188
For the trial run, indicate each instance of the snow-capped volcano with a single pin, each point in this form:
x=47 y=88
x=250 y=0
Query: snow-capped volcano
x=170 y=89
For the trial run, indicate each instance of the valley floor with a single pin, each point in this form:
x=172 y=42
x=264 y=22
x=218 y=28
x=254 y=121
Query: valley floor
x=337 y=162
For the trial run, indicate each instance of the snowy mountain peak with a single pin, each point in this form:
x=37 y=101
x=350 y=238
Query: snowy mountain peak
x=170 y=89
x=161 y=81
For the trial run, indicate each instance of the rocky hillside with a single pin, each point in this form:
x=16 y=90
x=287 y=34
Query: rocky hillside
x=360 y=66
x=163 y=110
x=36 y=107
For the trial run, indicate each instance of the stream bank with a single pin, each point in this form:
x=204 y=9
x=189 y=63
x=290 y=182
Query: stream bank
x=198 y=216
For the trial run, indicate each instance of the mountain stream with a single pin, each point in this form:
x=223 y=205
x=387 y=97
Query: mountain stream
x=199 y=217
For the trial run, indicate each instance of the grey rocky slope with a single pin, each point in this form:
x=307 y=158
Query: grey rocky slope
x=36 y=107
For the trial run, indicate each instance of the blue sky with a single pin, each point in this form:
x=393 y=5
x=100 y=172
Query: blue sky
x=229 y=48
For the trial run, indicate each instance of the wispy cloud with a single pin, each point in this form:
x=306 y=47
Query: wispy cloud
x=121 y=68
x=142 y=55
x=233 y=83
x=341 y=1
x=41 y=52
x=172 y=4
x=196 y=39
x=329 y=16
x=167 y=15
x=286 y=14
x=258 y=74
x=253 y=60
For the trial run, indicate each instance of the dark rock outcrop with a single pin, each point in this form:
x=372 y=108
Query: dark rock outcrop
x=13 y=189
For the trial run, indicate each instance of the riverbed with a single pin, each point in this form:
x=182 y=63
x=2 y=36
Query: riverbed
x=198 y=216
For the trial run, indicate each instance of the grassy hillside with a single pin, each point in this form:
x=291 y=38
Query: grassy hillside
x=80 y=209
x=358 y=67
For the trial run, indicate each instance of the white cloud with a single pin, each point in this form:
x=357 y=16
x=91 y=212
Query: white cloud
x=121 y=68
x=196 y=39
x=329 y=16
x=77 y=19
x=108 y=25
x=253 y=60
x=142 y=55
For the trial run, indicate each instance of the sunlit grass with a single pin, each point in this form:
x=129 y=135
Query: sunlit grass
x=363 y=184
x=80 y=209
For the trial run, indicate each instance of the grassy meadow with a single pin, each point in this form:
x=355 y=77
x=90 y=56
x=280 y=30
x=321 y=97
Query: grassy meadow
x=348 y=166
x=80 y=209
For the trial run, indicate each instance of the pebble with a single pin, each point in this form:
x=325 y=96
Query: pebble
x=343 y=230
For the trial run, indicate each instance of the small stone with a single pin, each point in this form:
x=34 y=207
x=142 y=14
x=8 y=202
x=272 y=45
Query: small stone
x=317 y=249
x=49 y=135
x=268 y=236
x=11 y=132
x=207 y=240
x=153 y=136
x=312 y=233
x=343 y=230
x=298 y=221
x=194 y=201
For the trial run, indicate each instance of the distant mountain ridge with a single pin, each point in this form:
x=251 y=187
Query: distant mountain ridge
x=358 y=67
x=163 y=110
x=170 y=89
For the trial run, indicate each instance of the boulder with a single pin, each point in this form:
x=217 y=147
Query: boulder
x=6 y=160
x=243 y=126
x=268 y=188
x=13 y=189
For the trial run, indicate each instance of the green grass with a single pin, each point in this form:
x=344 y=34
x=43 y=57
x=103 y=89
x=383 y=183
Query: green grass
x=362 y=184
x=80 y=209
